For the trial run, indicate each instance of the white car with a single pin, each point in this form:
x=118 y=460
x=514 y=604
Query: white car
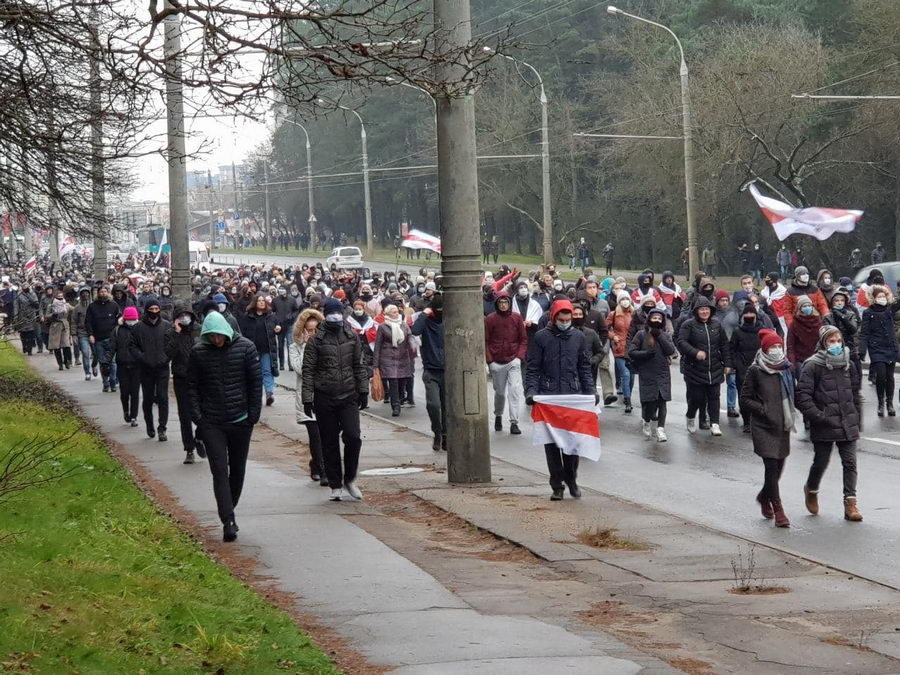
x=345 y=257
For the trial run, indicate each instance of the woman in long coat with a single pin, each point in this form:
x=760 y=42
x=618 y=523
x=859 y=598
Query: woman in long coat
x=60 y=342
x=879 y=342
x=767 y=394
x=304 y=328
x=394 y=354
x=650 y=351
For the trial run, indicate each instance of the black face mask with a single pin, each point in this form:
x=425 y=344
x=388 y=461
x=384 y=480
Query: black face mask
x=578 y=322
x=655 y=325
x=749 y=320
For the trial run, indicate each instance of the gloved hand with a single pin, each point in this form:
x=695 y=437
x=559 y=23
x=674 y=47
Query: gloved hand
x=308 y=409
x=596 y=399
x=529 y=400
x=363 y=400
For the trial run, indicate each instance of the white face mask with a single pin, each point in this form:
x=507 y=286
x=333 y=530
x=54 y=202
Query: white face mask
x=523 y=292
x=222 y=306
x=881 y=300
x=557 y=285
x=334 y=318
x=625 y=304
x=803 y=278
x=131 y=322
x=826 y=281
x=776 y=353
x=185 y=320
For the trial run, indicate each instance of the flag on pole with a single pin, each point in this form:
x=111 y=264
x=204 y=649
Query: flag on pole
x=419 y=239
x=30 y=265
x=816 y=221
x=66 y=246
x=163 y=242
x=571 y=421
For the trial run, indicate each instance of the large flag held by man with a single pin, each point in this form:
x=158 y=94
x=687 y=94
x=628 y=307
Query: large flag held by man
x=66 y=246
x=816 y=221
x=419 y=239
x=570 y=421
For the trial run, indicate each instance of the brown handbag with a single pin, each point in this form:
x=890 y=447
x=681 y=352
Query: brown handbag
x=376 y=386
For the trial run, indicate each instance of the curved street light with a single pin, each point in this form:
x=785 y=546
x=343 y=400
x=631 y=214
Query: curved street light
x=309 y=184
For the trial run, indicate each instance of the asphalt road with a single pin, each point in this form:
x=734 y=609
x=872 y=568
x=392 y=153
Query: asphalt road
x=412 y=266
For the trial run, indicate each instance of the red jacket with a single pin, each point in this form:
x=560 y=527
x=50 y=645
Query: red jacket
x=505 y=337
x=803 y=337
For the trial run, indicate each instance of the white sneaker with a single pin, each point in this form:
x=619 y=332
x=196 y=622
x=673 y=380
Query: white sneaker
x=335 y=495
x=715 y=430
x=661 y=435
x=645 y=429
x=691 y=425
x=353 y=491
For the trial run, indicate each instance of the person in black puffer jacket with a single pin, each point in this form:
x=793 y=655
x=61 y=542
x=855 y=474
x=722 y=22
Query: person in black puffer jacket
x=559 y=363
x=258 y=324
x=707 y=359
x=828 y=396
x=650 y=351
x=127 y=360
x=179 y=341
x=744 y=347
x=335 y=388
x=878 y=340
x=150 y=342
x=225 y=385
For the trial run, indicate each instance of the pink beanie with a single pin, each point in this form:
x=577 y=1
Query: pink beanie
x=130 y=314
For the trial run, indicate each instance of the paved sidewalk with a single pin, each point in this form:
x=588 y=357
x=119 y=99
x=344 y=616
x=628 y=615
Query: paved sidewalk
x=390 y=610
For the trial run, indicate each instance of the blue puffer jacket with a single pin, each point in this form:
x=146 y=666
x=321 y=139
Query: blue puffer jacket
x=559 y=362
x=876 y=335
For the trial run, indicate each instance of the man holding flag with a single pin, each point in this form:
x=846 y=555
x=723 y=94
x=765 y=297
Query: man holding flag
x=559 y=386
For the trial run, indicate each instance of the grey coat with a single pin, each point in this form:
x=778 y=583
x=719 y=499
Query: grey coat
x=27 y=312
x=652 y=365
x=60 y=336
x=393 y=362
x=761 y=397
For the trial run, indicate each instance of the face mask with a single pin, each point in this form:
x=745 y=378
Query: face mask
x=776 y=353
x=185 y=321
x=838 y=304
x=366 y=296
x=826 y=281
x=647 y=308
x=625 y=304
x=557 y=286
x=563 y=325
x=806 y=310
x=131 y=322
x=334 y=318
x=655 y=325
x=578 y=322
x=881 y=300
x=523 y=292
x=836 y=350
x=803 y=278
x=749 y=320
x=166 y=294
x=222 y=306
x=359 y=312
x=295 y=293
x=282 y=292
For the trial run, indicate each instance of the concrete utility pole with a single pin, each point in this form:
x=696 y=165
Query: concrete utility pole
x=176 y=155
x=98 y=181
x=468 y=444
x=269 y=246
x=212 y=218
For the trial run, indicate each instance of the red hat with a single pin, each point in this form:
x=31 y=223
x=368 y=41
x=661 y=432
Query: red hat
x=722 y=294
x=769 y=338
x=559 y=306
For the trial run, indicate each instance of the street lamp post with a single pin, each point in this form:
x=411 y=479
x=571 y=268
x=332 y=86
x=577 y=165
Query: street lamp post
x=545 y=160
x=370 y=236
x=309 y=175
x=693 y=258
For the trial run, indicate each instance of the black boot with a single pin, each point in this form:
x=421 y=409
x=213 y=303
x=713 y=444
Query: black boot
x=557 y=495
x=229 y=531
x=498 y=423
x=189 y=457
x=881 y=407
x=574 y=490
x=628 y=405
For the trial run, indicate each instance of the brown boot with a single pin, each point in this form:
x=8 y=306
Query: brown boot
x=812 y=500
x=781 y=520
x=850 y=510
x=766 y=506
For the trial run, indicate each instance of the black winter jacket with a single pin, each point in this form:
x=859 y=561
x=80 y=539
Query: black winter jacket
x=286 y=310
x=876 y=335
x=178 y=346
x=847 y=321
x=744 y=346
x=225 y=383
x=695 y=336
x=559 y=362
x=652 y=365
x=122 y=347
x=250 y=323
x=150 y=343
x=333 y=364
x=101 y=318
x=830 y=400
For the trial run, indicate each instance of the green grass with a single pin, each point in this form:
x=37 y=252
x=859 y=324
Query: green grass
x=96 y=580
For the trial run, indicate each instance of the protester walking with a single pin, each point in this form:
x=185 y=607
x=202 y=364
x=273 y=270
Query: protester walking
x=179 y=341
x=26 y=319
x=394 y=354
x=429 y=328
x=745 y=344
x=305 y=327
x=59 y=336
x=225 y=383
x=335 y=388
x=828 y=396
x=259 y=325
x=127 y=359
x=101 y=318
x=285 y=307
x=150 y=343
x=767 y=394
x=506 y=343
x=618 y=322
x=650 y=351
x=80 y=337
x=803 y=337
x=878 y=341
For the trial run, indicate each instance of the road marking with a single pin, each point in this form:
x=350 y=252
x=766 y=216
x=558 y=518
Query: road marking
x=881 y=440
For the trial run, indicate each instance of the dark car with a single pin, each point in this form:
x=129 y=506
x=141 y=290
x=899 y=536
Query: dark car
x=891 y=271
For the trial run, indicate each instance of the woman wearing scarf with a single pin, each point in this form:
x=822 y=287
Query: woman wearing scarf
x=828 y=396
x=767 y=395
x=60 y=341
x=394 y=354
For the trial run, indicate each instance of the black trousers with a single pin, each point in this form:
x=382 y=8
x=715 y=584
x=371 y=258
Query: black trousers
x=563 y=468
x=772 y=469
x=434 y=399
x=393 y=391
x=63 y=356
x=227 y=447
x=29 y=341
x=283 y=338
x=129 y=389
x=316 y=464
x=884 y=381
x=338 y=419
x=155 y=389
x=654 y=411
x=847 y=451
x=183 y=404
x=705 y=398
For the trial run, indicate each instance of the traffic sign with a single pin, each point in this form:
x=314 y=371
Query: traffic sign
x=236 y=216
x=220 y=225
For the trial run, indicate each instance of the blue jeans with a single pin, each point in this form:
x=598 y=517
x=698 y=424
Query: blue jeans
x=107 y=366
x=785 y=270
x=731 y=394
x=624 y=373
x=84 y=346
x=265 y=364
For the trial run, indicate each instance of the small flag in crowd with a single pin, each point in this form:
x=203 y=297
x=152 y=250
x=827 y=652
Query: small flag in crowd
x=419 y=239
x=30 y=265
x=816 y=221
x=163 y=242
x=66 y=246
x=570 y=421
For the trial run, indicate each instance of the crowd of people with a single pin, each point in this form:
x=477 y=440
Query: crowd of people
x=789 y=353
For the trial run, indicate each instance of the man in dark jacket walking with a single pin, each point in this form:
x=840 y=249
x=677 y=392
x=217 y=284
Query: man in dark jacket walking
x=285 y=308
x=335 y=388
x=101 y=318
x=225 y=383
x=559 y=363
x=506 y=342
x=179 y=341
x=429 y=328
x=150 y=343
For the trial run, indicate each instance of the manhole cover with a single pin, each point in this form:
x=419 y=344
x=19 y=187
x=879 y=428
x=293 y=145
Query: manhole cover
x=392 y=471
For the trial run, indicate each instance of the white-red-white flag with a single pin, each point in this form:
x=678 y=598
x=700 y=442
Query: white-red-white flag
x=816 y=221
x=30 y=265
x=66 y=246
x=419 y=239
x=571 y=421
